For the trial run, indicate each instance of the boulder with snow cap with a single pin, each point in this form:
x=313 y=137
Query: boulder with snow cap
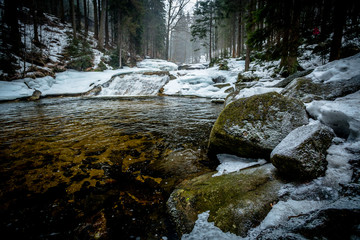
x=308 y=90
x=302 y=154
x=252 y=127
x=237 y=201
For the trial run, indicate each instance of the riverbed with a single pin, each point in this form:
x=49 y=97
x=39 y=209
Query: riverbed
x=80 y=168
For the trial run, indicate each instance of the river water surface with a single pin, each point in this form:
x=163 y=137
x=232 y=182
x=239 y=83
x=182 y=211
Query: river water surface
x=84 y=168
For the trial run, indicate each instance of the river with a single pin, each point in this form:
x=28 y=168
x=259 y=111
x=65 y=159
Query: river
x=81 y=168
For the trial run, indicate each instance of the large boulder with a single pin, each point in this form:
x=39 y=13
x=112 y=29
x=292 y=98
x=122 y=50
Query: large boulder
x=252 y=127
x=302 y=154
x=237 y=201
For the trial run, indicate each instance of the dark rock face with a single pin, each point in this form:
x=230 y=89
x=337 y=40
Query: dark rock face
x=302 y=154
x=237 y=201
x=289 y=79
x=329 y=223
x=252 y=127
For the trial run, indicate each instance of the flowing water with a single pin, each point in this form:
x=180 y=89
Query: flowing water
x=84 y=168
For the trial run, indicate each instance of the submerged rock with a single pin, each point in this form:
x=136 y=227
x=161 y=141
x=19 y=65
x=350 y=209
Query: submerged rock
x=302 y=154
x=252 y=127
x=35 y=96
x=237 y=201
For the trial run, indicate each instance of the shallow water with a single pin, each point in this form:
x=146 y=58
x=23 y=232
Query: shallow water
x=82 y=168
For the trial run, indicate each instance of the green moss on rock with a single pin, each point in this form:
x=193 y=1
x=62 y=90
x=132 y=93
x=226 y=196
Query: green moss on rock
x=237 y=201
x=252 y=127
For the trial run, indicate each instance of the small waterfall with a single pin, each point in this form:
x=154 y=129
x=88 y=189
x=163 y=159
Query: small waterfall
x=135 y=84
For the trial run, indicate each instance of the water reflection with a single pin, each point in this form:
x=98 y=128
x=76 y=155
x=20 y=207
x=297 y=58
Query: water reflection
x=97 y=167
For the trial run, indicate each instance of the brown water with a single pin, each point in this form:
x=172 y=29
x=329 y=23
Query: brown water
x=85 y=168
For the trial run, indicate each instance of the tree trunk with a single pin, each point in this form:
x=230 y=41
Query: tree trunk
x=238 y=50
x=61 y=11
x=120 y=40
x=78 y=15
x=339 y=22
x=233 y=36
x=86 y=18
x=72 y=8
x=96 y=27
x=107 y=29
x=102 y=25
x=34 y=15
x=210 y=35
x=250 y=29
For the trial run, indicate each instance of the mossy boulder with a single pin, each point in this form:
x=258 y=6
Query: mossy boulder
x=302 y=154
x=252 y=127
x=237 y=201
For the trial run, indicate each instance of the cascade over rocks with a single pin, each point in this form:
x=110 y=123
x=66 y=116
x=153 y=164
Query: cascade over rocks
x=237 y=201
x=302 y=154
x=252 y=127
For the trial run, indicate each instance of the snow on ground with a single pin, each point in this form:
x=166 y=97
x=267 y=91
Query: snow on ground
x=158 y=64
x=232 y=163
x=68 y=82
x=342 y=69
x=248 y=92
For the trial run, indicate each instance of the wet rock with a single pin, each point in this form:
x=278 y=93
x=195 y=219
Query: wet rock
x=307 y=90
x=219 y=79
x=177 y=166
x=302 y=154
x=252 y=127
x=237 y=201
x=35 y=96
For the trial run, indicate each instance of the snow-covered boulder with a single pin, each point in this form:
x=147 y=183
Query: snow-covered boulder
x=158 y=64
x=302 y=154
x=237 y=201
x=252 y=127
x=327 y=82
x=342 y=115
x=308 y=90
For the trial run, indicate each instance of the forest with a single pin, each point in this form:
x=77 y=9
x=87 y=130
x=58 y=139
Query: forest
x=130 y=30
x=179 y=119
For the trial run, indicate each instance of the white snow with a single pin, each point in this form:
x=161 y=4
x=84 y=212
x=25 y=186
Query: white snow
x=342 y=69
x=203 y=83
x=248 y=92
x=158 y=64
x=231 y=163
x=207 y=230
x=294 y=138
x=135 y=85
x=348 y=107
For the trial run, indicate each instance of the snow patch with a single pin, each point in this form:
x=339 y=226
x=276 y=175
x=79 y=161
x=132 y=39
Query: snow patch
x=231 y=163
x=342 y=69
x=157 y=64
